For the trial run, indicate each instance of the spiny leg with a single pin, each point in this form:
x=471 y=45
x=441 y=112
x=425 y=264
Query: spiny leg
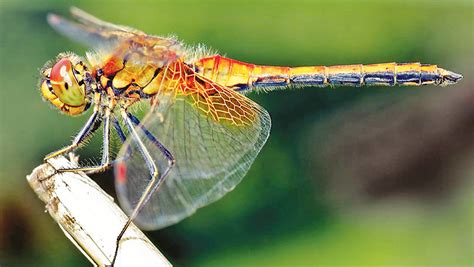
x=160 y=146
x=122 y=137
x=105 y=162
x=118 y=129
x=152 y=138
x=89 y=127
x=155 y=180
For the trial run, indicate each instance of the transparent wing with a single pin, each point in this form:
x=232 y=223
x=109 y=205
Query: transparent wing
x=91 y=31
x=94 y=22
x=214 y=134
x=114 y=39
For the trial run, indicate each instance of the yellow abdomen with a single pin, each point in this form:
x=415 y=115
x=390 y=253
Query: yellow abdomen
x=244 y=76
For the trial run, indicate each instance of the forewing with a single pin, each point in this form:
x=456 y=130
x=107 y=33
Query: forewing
x=94 y=22
x=213 y=133
x=91 y=31
x=120 y=42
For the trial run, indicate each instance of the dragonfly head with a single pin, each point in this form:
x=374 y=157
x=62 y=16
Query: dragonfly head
x=66 y=85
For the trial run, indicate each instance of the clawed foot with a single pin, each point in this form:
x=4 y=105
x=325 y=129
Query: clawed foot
x=73 y=158
x=47 y=169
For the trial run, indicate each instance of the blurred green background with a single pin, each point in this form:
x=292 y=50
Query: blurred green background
x=351 y=177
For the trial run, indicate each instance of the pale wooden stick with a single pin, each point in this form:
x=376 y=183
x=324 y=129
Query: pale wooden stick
x=90 y=218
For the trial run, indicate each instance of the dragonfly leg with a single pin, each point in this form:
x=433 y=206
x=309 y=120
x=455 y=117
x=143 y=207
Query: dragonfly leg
x=90 y=127
x=153 y=139
x=122 y=137
x=105 y=162
x=156 y=179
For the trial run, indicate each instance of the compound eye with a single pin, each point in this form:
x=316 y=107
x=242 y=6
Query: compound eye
x=65 y=85
x=61 y=72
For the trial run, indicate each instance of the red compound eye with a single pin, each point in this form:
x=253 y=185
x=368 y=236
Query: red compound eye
x=65 y=85
x=60 y=71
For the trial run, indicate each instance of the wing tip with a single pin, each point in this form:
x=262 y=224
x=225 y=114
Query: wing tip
x=53 y=19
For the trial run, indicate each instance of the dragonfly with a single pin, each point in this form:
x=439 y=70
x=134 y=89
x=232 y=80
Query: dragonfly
x=200 y=133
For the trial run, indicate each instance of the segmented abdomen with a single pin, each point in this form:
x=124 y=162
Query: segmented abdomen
x=385 y=74
x=244 y=76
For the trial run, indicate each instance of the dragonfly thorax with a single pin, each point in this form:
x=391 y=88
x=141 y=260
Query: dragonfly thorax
x=67 y=84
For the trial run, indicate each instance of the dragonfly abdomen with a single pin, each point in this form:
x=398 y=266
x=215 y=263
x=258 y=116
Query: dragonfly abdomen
x=385 y=74
x=244 y=76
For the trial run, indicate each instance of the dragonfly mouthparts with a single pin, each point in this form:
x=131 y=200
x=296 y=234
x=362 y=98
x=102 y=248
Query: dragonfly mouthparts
x=449 y=77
